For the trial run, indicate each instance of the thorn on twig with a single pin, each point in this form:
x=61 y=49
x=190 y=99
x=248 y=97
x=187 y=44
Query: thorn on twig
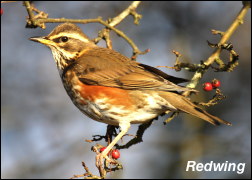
x=212 y=45
x=177 y=54
x=215 y=100
x=87 y=174
x=173 y=115
x=215 y=32
x=136 y=53
x=226 y=46
x=136 y=16
x=233 y=60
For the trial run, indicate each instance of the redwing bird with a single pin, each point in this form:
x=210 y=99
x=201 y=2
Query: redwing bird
x=110 y=88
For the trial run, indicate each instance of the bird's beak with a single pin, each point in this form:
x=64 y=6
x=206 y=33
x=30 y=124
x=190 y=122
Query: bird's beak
x=42 y=40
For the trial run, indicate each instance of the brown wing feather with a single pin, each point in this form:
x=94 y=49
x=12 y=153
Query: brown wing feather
x=108 y=68
x=183 y=104
x=158 y=72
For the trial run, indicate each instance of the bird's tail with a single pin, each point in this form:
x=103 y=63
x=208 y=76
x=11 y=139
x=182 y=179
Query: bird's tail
x=183 y=104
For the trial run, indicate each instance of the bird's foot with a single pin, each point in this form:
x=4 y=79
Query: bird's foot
x=105 y=163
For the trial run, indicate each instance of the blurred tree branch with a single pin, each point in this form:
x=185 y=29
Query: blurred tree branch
x=41 y=18
x=215 y=56
x=202 y=68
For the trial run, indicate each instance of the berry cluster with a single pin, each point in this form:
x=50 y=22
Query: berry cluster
x=115 y=153
x=210 y=86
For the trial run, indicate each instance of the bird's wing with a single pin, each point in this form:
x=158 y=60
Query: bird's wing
x=158 y=72
x=126 y=74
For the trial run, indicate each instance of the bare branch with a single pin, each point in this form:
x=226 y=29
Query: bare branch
x=216 y=54
x=40 y=20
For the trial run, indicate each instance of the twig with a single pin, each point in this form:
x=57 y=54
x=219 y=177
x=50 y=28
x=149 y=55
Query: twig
x=87 y=175
x=104 y=33
x=8 y=1
x=116 y=20
x=216 y=98
x=216 y=54
x=173 y=115
x=33 y=21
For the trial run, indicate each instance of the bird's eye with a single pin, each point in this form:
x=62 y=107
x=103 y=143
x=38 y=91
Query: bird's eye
x=64 y=39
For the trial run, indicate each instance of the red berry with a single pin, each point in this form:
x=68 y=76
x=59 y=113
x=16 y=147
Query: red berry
x=102 y=149
x=2 y=11
x=216 y=83
x=207 y=86
x=115 y=154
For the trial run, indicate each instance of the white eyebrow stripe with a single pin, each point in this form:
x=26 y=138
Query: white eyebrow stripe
x=72 y=35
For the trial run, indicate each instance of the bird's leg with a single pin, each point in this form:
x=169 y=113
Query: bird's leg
x=99 y=158
x=138 y=137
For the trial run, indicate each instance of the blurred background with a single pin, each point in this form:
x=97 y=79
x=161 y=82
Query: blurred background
x=43 y=134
